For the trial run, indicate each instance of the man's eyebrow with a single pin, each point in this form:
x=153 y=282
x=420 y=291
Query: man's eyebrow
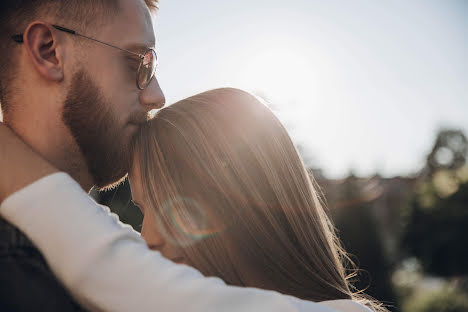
x=138 y=47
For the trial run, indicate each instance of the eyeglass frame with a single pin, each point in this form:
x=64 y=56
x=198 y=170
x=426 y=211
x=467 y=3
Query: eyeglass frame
x=19 y=39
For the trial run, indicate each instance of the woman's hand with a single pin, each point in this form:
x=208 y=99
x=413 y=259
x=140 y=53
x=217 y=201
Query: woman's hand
x=19 y=164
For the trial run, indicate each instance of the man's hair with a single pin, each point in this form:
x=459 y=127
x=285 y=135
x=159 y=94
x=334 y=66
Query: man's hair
x=15 y=15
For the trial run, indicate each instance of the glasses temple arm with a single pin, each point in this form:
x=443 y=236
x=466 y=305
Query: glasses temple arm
x=70 y=31
x=110 y=45
x=19 y=39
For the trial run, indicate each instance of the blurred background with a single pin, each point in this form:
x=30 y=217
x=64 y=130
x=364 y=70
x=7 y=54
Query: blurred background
x=374 y=94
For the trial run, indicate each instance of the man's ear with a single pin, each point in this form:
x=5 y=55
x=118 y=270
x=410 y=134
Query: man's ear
x=40 y=41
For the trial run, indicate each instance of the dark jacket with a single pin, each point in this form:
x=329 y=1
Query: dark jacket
x=26 y=281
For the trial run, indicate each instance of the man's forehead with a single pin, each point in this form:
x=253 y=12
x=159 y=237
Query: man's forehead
x=133 y=26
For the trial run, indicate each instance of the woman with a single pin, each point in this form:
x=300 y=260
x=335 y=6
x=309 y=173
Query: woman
x=218 y=176
x=223 y=189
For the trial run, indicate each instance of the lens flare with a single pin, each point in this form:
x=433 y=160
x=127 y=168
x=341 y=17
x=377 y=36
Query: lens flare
x=183 y=222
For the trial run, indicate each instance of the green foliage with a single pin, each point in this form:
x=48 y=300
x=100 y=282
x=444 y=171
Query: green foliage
x=436 y=234
x=449 y=151
x=358 y=230
x=436 y=226
x=447 y=300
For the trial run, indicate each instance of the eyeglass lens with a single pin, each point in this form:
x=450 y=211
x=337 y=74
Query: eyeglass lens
x=147 y=69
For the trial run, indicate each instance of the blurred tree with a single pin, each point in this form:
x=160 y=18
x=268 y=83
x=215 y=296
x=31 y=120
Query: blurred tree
x=447 y=300
x=450 y=151
x=435 y=231
x=358 y=230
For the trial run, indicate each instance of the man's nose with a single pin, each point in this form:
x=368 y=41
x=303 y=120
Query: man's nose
x=152 y=96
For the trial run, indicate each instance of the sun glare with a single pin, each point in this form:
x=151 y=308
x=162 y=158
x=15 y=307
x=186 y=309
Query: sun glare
x=281 y=73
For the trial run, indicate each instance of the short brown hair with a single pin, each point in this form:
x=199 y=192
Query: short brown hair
x=15 y=15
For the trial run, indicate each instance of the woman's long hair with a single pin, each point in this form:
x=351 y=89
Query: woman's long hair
x=228 y=186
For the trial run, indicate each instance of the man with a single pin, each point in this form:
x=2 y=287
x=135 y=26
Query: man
x=76 y=82
x=75 y=101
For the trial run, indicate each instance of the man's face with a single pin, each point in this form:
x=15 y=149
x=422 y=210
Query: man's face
x=104 y=106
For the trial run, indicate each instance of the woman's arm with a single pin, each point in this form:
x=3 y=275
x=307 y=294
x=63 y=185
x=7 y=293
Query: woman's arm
x=19 y=164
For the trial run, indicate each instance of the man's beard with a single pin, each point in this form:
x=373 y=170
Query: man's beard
x=97 y=132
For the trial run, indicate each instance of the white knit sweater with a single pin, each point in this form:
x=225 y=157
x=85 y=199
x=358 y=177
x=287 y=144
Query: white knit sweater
x=106 y=265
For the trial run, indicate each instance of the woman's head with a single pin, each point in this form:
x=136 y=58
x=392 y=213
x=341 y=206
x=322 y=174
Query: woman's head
x=224 y=188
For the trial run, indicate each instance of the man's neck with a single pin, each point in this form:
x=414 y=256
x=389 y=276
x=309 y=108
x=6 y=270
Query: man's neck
x=56 y=145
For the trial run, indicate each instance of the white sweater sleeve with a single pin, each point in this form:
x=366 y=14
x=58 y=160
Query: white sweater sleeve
x=107 y=266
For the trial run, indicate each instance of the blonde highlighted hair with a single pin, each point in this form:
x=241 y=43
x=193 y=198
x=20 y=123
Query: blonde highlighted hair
x=228 y=185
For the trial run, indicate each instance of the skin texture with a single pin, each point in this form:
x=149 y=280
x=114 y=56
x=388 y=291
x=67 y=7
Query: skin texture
x=149 y=229
x=54 y=68
x=16 y=157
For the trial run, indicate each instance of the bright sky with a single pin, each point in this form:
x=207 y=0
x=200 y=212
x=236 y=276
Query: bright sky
x=361 y=84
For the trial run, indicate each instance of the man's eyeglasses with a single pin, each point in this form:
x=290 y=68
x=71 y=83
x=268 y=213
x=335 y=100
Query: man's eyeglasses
x=148 y=60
